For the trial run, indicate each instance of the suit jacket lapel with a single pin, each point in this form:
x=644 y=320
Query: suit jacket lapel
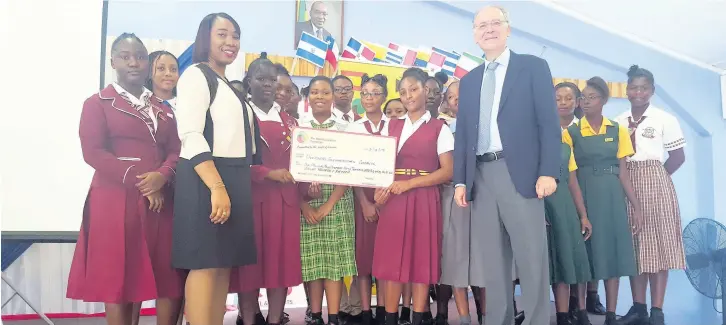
x=117 y=102
x=478 y=75
x=510 y=78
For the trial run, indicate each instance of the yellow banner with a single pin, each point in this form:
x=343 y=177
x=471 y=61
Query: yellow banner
x=355 y=70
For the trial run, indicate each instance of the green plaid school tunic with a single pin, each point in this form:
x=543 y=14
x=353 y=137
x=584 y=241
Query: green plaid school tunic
x=327 y=249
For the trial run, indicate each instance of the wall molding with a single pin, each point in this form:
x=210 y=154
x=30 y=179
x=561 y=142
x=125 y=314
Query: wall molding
x=661 y=92
x=628 y=36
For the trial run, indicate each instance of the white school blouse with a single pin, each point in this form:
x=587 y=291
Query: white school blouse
x=444 y=143
x=658 y=133
x=192 y=104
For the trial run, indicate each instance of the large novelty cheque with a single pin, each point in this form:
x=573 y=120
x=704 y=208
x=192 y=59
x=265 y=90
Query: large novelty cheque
x=342 y=158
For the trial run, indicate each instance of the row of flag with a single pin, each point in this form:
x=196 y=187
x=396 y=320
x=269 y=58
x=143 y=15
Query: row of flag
x=318 y=52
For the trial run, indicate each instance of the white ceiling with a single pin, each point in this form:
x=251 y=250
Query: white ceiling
x=692 y=29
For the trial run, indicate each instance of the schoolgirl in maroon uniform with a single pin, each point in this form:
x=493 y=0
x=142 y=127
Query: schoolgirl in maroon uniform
x=276 y=203
x=408 y=240
x=123 y=254
x=373 y=94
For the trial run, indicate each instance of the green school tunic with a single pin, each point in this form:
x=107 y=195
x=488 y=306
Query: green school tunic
x=610 y=247
x=568 y=256
x=327 y=249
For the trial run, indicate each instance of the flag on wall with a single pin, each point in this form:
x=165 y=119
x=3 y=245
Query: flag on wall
x=402 y=55
x=394 y=57
x=422 y=58
x=355 y=50
x=380 y=51
x=452 y=58
x=436 y=62
x=467 y=62
x=331 y=56
x=302 y=11
x=312 y=49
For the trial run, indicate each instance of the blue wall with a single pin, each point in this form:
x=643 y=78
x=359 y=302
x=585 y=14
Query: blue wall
x=572 y=48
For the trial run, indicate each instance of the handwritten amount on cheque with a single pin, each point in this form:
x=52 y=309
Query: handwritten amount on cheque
x=327 y=166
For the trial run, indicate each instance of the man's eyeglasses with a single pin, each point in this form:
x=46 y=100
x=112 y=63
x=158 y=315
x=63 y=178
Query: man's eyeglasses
x=494 y=24
x=343 y=90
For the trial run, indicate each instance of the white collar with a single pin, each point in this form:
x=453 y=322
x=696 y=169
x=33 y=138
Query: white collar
x=275 y=107
x=425 y=118
x=120 y=90
x=338 y=113
x=648 y=111
x=503 y=59
x=365 y=118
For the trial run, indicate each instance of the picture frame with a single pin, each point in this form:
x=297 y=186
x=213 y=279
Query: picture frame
x=320 y=19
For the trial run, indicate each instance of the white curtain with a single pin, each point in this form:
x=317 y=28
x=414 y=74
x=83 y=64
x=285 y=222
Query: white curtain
x=235 y=71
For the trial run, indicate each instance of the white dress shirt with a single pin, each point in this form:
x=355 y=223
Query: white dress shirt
x=339 y=114
x=272 y=115
x=374 y=128
x=444 y=143
x=138 y=101
x=658 y=133
x=227 y=115
x=495 y=141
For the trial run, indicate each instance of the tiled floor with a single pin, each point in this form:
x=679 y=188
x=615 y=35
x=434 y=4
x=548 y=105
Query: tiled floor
x=683 y=306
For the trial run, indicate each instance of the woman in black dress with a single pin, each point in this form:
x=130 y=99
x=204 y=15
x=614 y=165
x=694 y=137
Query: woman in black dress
x=213 y=226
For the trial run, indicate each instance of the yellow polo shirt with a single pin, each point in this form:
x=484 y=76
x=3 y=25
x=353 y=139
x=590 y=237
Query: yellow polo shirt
x=625 y=146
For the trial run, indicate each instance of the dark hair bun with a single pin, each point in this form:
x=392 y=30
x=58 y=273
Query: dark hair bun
x=600 y=86
x=381 y=80
x=263 y=55
x=378 y=79
x=633 y=71
x=441 y=77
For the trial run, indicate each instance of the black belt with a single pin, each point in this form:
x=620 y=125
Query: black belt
x=490 y=156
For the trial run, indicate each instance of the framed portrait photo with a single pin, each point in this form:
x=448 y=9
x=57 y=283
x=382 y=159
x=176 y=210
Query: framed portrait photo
x=320 y=19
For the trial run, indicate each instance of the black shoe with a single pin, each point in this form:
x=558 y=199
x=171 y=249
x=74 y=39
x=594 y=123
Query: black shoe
x=352 y=319
x=582 y=318
x=656 y=317
x=573 y=309
x=285 y=318
x=440 y=320
x=593 y=305
x=519 y=319
x=260 y=319
x=563 y=319
x=635 y=316
x=240 y=321
x=610 y=319
x=480 y=318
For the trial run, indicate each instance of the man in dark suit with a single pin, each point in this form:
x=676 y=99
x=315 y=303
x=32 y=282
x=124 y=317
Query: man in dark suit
x=506 y=160
x=315 y=25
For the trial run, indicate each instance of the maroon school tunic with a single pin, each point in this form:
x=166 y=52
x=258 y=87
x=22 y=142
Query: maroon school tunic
x=365 y=232
x=408 y=241
x=276 y=213
x=123 y=253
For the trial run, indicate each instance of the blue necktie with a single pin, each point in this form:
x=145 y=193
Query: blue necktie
x=485 y=108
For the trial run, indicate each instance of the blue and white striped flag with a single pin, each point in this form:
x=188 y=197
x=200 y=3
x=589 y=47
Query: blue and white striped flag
x=312 y=49
x=452 y=58
x=394 y=57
